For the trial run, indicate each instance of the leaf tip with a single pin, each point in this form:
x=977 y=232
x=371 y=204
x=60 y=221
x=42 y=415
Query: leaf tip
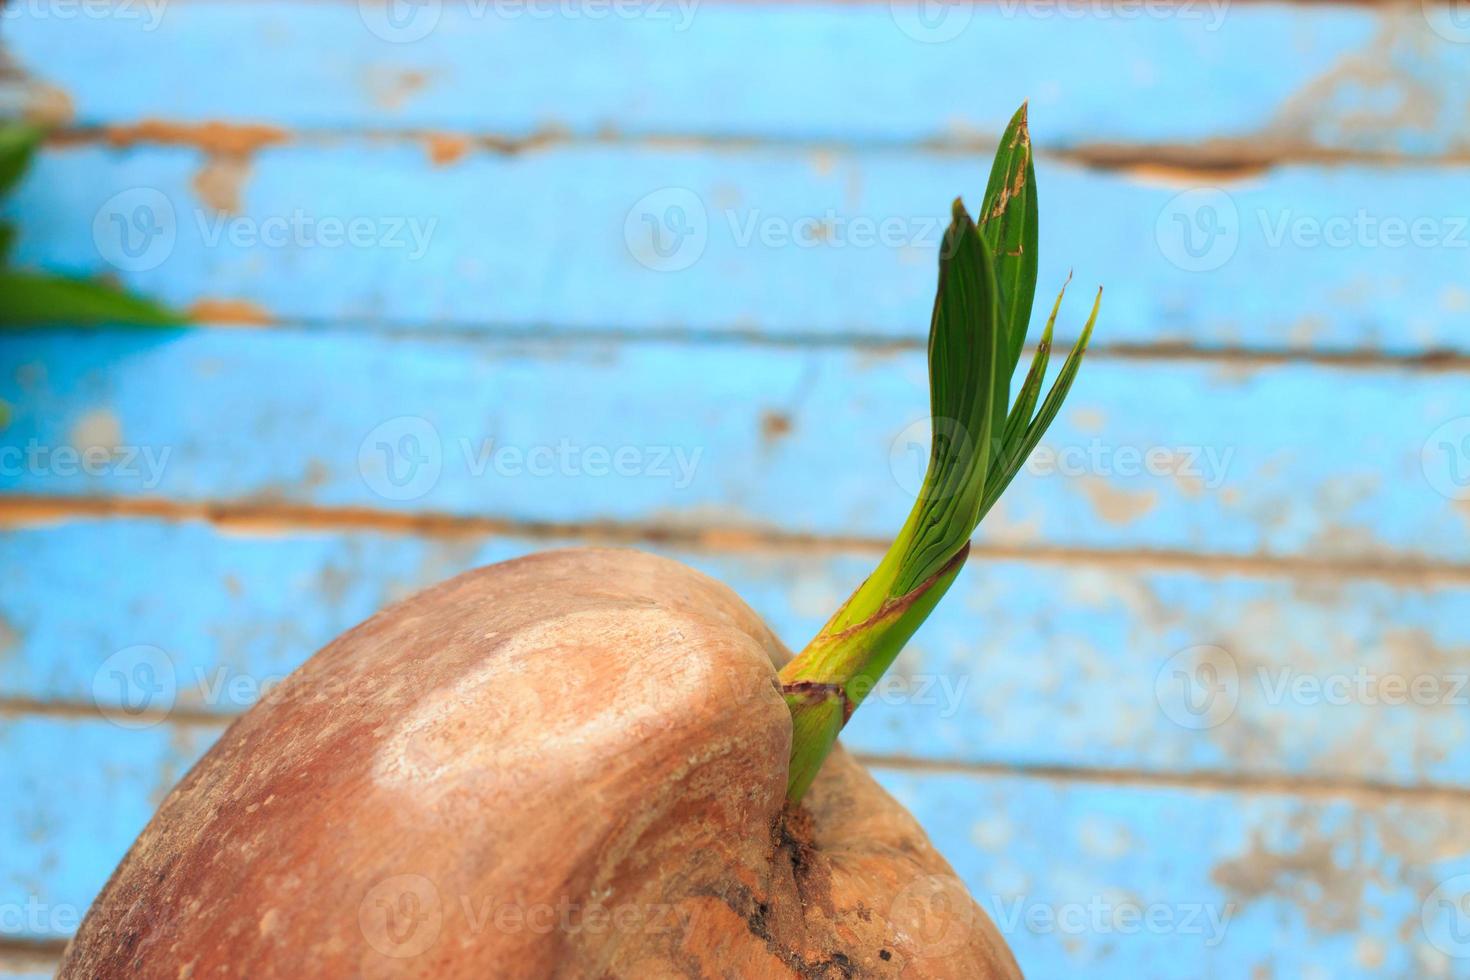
x=1022 y=126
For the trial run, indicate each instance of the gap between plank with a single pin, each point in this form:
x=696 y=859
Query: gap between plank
x=1217 y=159
x=1300 y=785
x=1432 y=361
x=20 y=511
x=20 y=956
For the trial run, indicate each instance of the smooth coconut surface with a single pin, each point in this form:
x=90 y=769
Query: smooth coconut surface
x=571 y=764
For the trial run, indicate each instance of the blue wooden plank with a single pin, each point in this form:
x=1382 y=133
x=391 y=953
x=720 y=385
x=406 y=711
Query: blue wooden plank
x=1121 y=882
x=1111 y=881
x=76 y=793
x=29 y=968
x=1025 y=664
x=752 y=240
x=1339 y=78
x=1158 y=455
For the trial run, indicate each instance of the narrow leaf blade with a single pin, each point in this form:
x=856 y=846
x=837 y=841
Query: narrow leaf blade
x=1050 y=407
x=964 y=353
x=1009 y=221
x=1007 y=459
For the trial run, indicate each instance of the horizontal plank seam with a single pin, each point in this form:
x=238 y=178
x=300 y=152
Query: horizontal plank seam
x=1426 y=361
x=1383 y=4
x=268 y=518
x=1298 y=784
x=18 y=953
x=1218 y=158
x=1303 y=784
x=20 y=707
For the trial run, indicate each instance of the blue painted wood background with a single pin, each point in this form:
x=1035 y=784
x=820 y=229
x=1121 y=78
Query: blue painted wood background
x=659 y=274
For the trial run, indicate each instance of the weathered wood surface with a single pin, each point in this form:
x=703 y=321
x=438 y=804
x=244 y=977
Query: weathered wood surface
x=1106 y=880
x=1058 y=666
x=1283 y=461
x=768 y=241
x=1369 y=79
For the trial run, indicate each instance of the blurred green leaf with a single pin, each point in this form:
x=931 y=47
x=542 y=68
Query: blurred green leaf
x=28 y=299
x=18 y=142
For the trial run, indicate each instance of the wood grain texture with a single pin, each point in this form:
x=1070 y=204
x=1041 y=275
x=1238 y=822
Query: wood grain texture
x=1029 y=665
x=1231 y=882
x=782 y=242
x=1180 y=455
x=1358 y=80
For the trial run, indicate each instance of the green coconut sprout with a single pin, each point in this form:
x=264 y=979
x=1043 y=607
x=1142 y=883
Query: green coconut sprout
x=987 y=282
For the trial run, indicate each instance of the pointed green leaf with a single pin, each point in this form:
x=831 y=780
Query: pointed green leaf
x=963 y=355
x=1050 y=407
x=1008 y=459
x=964 y=352
x=1009 y=221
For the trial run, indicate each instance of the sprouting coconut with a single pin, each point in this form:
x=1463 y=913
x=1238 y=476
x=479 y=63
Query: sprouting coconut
x=600 y=763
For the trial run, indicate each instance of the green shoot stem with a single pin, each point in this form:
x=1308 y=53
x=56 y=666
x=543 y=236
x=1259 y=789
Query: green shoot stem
x=987 y=280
